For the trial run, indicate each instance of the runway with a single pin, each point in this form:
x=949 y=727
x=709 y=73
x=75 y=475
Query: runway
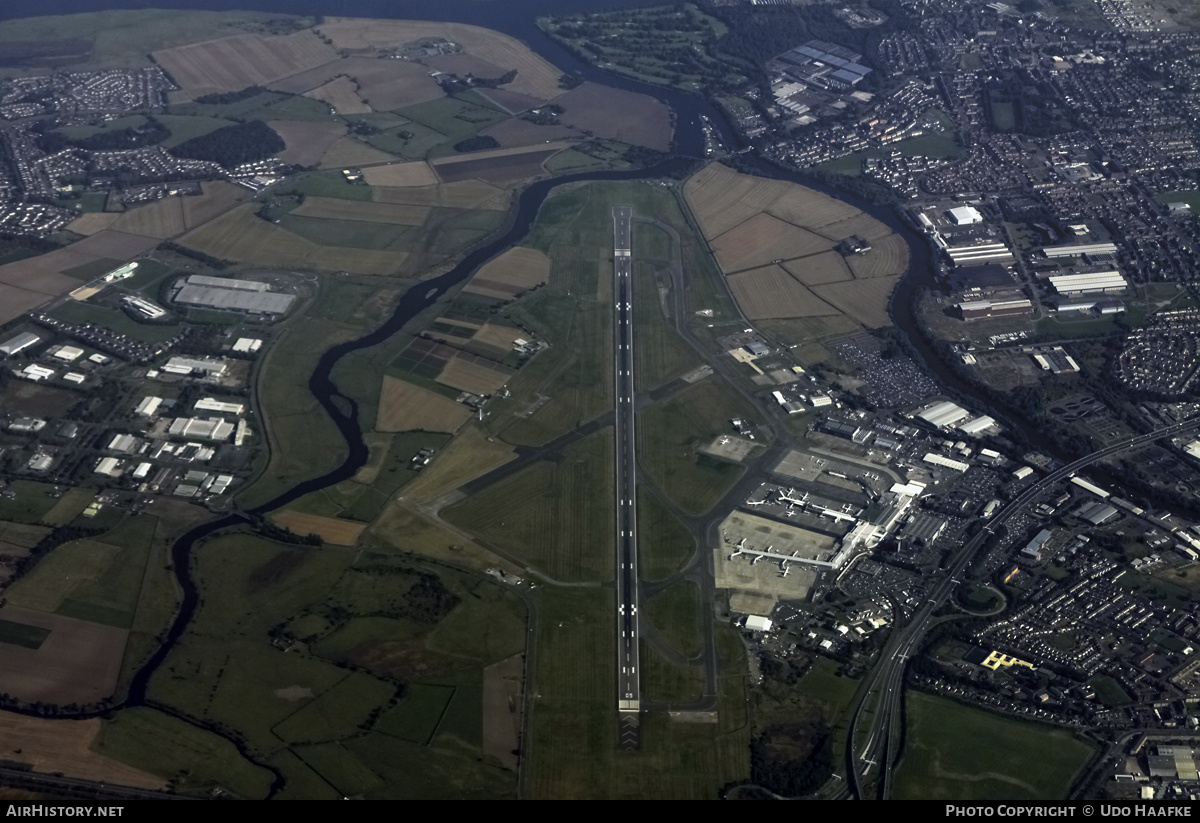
x=628 y=678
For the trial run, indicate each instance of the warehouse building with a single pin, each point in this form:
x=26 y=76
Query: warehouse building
x=944 y=414
x=977 y=309
x=194 y=365
x=1079 y=249
x=945 y=462
x=214 y=428
x=1090 y=283
x=19 y=343
x=964 y=216
x=236 y=295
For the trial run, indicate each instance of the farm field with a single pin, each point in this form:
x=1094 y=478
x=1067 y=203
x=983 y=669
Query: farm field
x=124 y=39
x=956 y=752
x=384 y=85
x=233 y=63
x=242 y=237
x=350 y=151
x=615 y=114
x=331 y=529
x=501 y=166
x=306 y=141
x=516 y=132
x=50 y=746
x=771 y=292
x=513 y=272
x=335 y=209
x=173 y=749
x=535 y=76
x=415 y=173
x=775 y=242
x=77 y=661
x=341 y=93
x=764 y=238
x=404 y=406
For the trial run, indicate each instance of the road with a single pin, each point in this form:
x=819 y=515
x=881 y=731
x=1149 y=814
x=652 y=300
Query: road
x=882 y=691
x=628 y=680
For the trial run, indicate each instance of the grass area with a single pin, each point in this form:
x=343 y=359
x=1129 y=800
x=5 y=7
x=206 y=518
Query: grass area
x=330 y=184
x=456 y=118
x=664 y=544
x=1189 y=196
x=675 y=612
x=411 y=141
x=197 y=761
x=1187 y=577
x=21 y=634
x=73 y=311
x=1109 y=691
x=418 y=716
x=555 y=516
x=324 y=713
x=661 y=353
x=666 y=45
x=571 y=746
x=665 y=681
x=1175 y=596
x=292 y=414
x=28 y=503
x=1003 y=115
x=955 y=752
x=669 y=432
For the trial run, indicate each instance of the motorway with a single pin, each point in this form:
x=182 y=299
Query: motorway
x=882 y=691
x=625 y=488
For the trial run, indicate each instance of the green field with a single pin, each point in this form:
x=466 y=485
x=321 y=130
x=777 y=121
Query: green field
x=667 y=681
x=664 y=544
x=661 y=353
x=72 y=311
x=555 y=516
x=669 y=432
x=21 y=634
x=571 y=748
x=1189 y=196
x=292 y=414
x=675 y=614
x=455 y=118
x=26 y=501
x=345 y=709
x=954 y=752
x=197 y=761
x=1108 y=691
x=330 y=184
x=652 y=44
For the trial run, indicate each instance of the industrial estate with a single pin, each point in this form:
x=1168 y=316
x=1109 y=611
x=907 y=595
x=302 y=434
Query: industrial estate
x=714 y=400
